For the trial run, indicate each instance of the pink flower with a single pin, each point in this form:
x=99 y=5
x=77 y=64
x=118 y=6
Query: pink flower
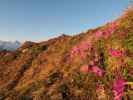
x=84 y=69
x=82 y=55
x=97 y=71
x=111 y=29
x=118 y=88
x=114 y=25
x=84 y=45
x=80 y=49
x=115 y=53
x=75 y=50
x=106 y=34
x=99 y=34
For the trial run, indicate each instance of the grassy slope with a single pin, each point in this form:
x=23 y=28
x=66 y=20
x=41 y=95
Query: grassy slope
x=45 y=71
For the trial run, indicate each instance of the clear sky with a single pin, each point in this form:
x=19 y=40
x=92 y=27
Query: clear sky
x=38 y=20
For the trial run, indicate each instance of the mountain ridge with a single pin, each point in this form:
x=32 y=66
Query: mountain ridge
x=9 y=45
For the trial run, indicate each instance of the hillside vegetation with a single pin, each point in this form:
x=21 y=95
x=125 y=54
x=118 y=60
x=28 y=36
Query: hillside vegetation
x=94 y=65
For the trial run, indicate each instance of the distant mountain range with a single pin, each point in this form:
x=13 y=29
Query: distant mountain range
x=9 y=45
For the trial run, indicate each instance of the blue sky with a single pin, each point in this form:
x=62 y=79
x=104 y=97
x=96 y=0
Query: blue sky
x=38 y=20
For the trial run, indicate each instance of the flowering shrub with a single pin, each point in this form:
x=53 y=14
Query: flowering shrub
x=99 y=34
x=107 y=32
x=97 y=71
x=115 y=53
x=118 y=88
x=94 y=69
x=96 y=66
x=80 y=49
x=84 y=69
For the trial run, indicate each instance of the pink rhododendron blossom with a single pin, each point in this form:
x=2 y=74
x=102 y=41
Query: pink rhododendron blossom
x=82 y=55
x=107 y=32
x=84 y=69
x=97 y=71
x=110 y=30
x=114 y=25
x=99 y=34
x=75 y=50
x=80 y=49
x=84 y=45
x=118 y=88
x=115 y=53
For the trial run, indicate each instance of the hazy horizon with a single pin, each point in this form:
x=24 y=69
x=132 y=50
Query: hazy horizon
x=37 y=20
